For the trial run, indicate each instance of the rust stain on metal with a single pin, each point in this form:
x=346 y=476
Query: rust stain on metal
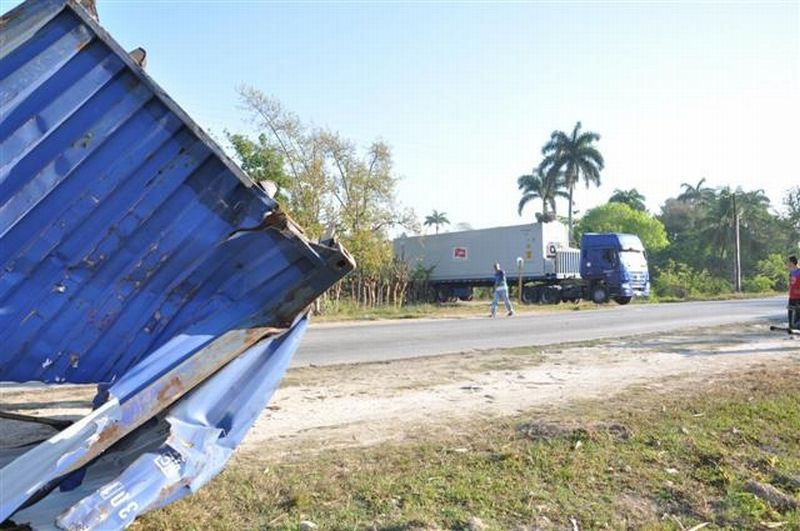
x=5 y=19
x=109 y=435
x=167 y=492
x=82 y=45
x=254 y=335
x=171 y=391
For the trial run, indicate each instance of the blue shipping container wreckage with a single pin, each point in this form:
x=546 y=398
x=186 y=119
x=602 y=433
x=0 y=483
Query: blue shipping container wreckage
x=133 y=254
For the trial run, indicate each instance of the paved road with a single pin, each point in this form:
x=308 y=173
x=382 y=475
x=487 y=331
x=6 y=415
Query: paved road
x=362 y=342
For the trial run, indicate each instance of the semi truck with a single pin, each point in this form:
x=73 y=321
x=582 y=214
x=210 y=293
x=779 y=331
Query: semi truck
x=608 y=266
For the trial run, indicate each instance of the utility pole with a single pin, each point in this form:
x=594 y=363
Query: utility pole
x=737 y=266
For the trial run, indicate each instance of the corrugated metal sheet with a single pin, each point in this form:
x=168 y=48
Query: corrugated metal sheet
x=135 y=254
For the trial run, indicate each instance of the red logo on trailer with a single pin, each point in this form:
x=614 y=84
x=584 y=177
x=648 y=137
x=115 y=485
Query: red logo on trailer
x=460 y=253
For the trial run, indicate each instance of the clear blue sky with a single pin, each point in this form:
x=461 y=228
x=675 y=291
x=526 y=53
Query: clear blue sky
x=467 y=93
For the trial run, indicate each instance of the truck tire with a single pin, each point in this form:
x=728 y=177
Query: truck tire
x=551 y=295
x=443 y=294
x=600 y=294
x=532 y=295
x=622 y=300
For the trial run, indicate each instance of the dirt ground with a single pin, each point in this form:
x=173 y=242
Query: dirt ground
x=354 y=405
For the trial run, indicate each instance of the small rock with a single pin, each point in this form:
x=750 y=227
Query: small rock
x=790 y=482
x=307 y=525
x=771 y=495
x=475 y=524
x=671 y=471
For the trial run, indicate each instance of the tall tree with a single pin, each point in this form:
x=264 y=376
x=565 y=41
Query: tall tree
x=698 y=193
x=262 y=162
x=631 y=197
x=719 y=229
x=436 y=219
x=792 y=203
x=619 y=217
x=575 y=155
x=330 y=183
x=535 y=185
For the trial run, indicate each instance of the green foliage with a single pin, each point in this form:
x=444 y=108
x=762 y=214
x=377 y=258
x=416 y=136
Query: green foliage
x=619 y=217
x=631 y=197
x=773 y=268
x=701 y=230
x=573 y=156
x=328 y=184
x=261 y=161
x=546 y=187
x=678 y=280
x=792 y=203
x=436 y=219
x=758 y=284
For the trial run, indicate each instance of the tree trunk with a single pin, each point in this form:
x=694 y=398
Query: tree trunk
x=569 y=215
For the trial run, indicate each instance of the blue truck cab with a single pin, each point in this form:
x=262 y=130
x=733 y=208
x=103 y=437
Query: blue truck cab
x=614 y=266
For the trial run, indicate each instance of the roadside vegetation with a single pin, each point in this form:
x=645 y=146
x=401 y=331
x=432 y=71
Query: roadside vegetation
x=726 y=455
x=331 y=187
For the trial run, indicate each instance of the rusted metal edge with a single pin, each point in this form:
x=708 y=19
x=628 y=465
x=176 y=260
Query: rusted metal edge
x=90 y=436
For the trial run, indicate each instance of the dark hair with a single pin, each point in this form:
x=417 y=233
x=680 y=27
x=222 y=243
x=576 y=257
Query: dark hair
x=793 y=259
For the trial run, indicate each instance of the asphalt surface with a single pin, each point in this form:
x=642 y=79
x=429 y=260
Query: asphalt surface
x=332 y=344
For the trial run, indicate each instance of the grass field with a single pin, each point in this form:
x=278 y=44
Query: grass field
x=346 y=311
x=643 y=460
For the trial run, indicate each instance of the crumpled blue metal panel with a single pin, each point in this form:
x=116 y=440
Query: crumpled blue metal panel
x=133 y=254
x=165 y=461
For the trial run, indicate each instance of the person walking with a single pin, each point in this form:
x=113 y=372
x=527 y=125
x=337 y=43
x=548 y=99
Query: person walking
x=500 y=291
x=794 y=293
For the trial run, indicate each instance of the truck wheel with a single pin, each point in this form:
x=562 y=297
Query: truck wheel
x=600 y=295
x=622 y=300
x=443 y=294
x=532 y=295
x=551 y=295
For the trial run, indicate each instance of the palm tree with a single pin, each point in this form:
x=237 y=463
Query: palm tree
x=537 y=186
x=576 y=156
x=631 y=197
x=436 y=219
x=697 y=193
x=718 y=225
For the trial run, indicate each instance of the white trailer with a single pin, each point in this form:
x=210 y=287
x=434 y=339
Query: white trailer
x=461 y=259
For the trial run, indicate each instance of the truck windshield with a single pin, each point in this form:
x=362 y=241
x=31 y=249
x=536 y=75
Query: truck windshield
x=633 y=260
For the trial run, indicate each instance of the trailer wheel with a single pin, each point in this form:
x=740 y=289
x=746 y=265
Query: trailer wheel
x=622 y=300
x=551 y=295
x=532 y=295
x=443 y=294
x=600 y=294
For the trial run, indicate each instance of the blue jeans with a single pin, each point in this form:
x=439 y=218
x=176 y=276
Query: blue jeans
x=501 y=293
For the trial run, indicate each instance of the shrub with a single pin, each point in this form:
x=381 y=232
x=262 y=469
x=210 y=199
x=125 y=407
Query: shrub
x=773 y=268
x=758 y=284
x=681 y=281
